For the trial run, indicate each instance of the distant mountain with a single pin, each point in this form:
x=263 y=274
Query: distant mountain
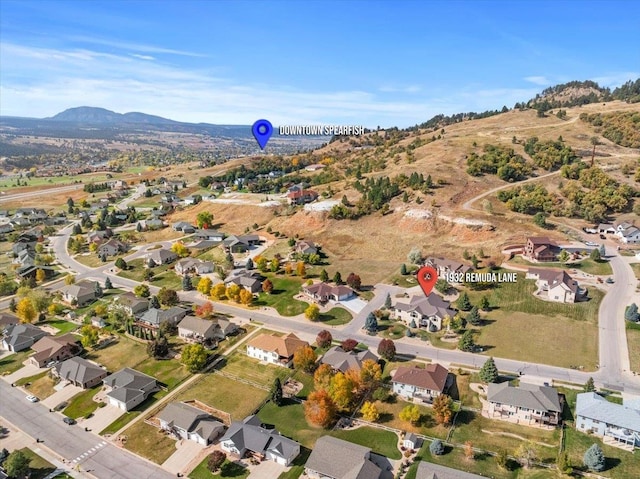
x=101 y=116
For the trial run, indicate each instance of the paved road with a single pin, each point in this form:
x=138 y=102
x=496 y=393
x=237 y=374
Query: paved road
x=39 y=192
x=102 y=459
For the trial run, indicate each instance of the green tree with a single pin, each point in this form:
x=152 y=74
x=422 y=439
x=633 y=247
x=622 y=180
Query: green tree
x=204 y=219
x=168 y=297
x=90 y=335
x=594 y=458
x=121 y=264
x=371 y=323
x=387 y=301
x=187 y=284
x=403 y=269
x=489 y=371
x=142 y=291
x=16 y=464
x=474 y=316
x=276 y=392
x=595 y=254
x=564 y=256
x=466 y=342
x=324 y=276
x=436 y=447
x=589 y=386
x=159 y=347
x=540 y=219
x=484 y=304
x=415 y=256
x=337 y=278
x=194 y=357
x=442 y=286
x=563 y=463
x=463 y=302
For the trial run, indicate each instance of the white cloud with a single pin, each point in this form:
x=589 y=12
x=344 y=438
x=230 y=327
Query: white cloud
x=538 y=80
x=142 y=57
x=613 y=80
x=138 y=47
x=397 y=89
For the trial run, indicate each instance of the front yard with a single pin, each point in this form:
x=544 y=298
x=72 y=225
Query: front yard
x=127 y=417
x=82 y=404
x=39 y=467
x=633 y=343
x=227 y=470
x=13 y=362
x=149 y=442
x=281 y=298
x=336 y=317
x=41 y=385
x=163 y=274
x=236 y=398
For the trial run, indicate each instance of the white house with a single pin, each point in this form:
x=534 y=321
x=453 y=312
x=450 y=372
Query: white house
x=628 y=234
x=612 y=422
x=278 y=350
x=555 y=285
x=190 y=423
x=323 y=292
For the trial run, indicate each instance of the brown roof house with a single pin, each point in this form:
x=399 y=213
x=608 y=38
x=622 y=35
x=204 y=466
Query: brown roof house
x=540 y=248
x=278 y=350
x=449 y=269
x=555 y=285
x=420 y=385
x=300 y=197
x=81 y=293
x=323 y=292
x=54 y=348
x=200 y=330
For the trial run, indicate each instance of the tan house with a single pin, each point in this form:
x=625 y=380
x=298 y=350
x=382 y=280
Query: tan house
x=278 y=350
x=420 y=384
x=426 y=311
x=555 y=285
x=54 y=348
x=323 y=292
x=527 y=404
x=449 y=269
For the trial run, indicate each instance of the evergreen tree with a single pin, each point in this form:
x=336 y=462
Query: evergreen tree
x=107 y=283
x=187 y=284
x=337 y=278
x=98 y=290
x=387 y=301
x=139 y=228
x=12 y=305
x=489 y=371
x=371 y=323
x=474 y=316
x=594 y=458
x=154 y=302
x=631 y=313
x=602 y=250
x=276 y=392
x=484 y=304
x=466 y=342
x=463 y=302
x=595 y=254
x=324 y=276
x=249 y=265
x=589 y=386
x=436 y=447
x=403 y=269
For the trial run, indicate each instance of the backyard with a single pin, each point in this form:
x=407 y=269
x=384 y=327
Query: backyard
x=61 y=325
x=281 y=298
x=240 y=365
x=39 y=467
x=11 y=363
x=124 y=352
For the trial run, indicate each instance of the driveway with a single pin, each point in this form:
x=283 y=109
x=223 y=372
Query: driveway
x=355 y=305
x=64 y=394
x=102 y=417
x=25 y=372
x=186 y=451
x=266 y=470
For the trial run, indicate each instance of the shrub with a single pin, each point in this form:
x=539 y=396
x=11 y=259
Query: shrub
x=436 y=447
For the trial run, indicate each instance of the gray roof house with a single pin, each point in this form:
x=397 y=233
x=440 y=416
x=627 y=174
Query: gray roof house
x=7 y=319
x=196 y=329
x=615 y=423
x=183 y=226
x=193 y=265
x=128 y=388
x=249 y=280
x=337 y=459
x=525 y=404
x=79 y=372
x=161 y=256
x=19 y=337
x=341 y=360
x=427 y=470
x=82 y=293
x=133 y=305
x=426 y=311
x=154 y=317
x=250 y=436
x=208 y=234
x=190 y=423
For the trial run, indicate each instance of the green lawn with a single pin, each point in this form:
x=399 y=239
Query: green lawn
x=241 y=365
x=38 y=466
x=10 y=364
x=41 y=385
x=290 y=421
x=149 y=442
x=168 y=371
x=127 y=417
x=92 y=260
x=61 y=325
x=636 y=269
x=297 y=466
x=124 y=352
x=236 y=398
x=587 y=265
x=216 y=255
x=281 y=298
x=228 y=470
x=163 y=274
x=336 y=317
x=82 y=404
x=633 y=343
x=389 y=416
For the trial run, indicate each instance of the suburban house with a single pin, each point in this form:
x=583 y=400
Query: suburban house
x=420 y=384
x=248 y=436
x=240 y=244
x=527 y=404
x=160 y=256
x=323 y=292
x=341 y=360
x=540 y=248
x=209 y=235
x=449 y=269
x=183 y=226
x=605 y=228
x=333 y=458
x=79 y=372
x=54 y=348
x=80 y=294
x=278 y=350
x=555 y=285
x=305 y=247
x=153 y=317
x=615 y=423
x=111 y=247
x=127 y=388
x=18 y=337
x=193 y=266
x=428 y=470
x=300 y=197
x=249 y=280
x=198 y=330
x=32 y=271
x=425 y=311
x=132 y=304
x=190 y=423
x=151 y=224
x=628 y=233
x=8 y=319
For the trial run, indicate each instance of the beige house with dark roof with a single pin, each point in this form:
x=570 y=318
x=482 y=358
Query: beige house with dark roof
x=420 y=384
x=278 y=350
x=527 y=404
x=54 y=348
x=333 y=458
x=540 y=248
x=190 y=423
x=448 y=268
x=555 y=285
x=323 y=292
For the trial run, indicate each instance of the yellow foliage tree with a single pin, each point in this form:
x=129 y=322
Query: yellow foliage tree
x=288 y=269
x=93 y=247
x=370 y=374
x=305 y=358
x=341 y=390
x=25 y=311
x=312 y=313
x=410 y=414
x=246 y=297
x=233 y=293
x=322 y=377
x=204 y=285
x=218 y=291
x=69 y=279
x=370 y=412
x=180 y=249
x=40 y=275
x=301 y=270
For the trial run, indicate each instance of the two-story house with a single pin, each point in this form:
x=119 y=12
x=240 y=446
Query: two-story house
x=540 y=248
x=555 y=285
x=619 y=423
x=527 y=404
x=278 y=350
x=420 y=384
x=425 y=311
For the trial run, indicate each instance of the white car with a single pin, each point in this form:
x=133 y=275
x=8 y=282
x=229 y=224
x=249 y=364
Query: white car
x=32 y=399
x=591 y=243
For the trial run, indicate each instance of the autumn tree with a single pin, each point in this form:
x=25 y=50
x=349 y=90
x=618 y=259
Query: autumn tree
x=387 y=349
x=216 y=460
x=354 y=281
x=218 y=291
x=370 y=375
x=312 y=313
x=194 y=357
x=410 y=414
x=443 y=409
x=324 y=339
x=25 y=311
x=267 y=286
x=369 y=412
x=469 y=453
x=168 y=297
x=180 y=249
x=40 y=275
x=245 y=297
x=89 y=335
x=348 y=345
x=204 y=219
x=233 y=292
x=305 y=359
x=70 y=279
x=322 y=377
x=342 y=390
x=526 y=454
x=275 y=265
x=204 y=285
x=319 y=409
x=301 y=270
x=204 y=310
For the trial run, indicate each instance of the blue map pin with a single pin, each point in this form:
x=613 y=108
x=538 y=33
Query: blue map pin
x=262 y=130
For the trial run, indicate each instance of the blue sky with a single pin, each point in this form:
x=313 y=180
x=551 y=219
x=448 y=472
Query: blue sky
x=387 y=63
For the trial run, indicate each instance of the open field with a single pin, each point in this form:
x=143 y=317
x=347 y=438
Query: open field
x=281 y=298
x=215 y=390
x=636 y=269
x=633 y=343
x=241 y=365
x=149 y=442
x=163 y=274
x=168 y=371
x=124 y=352
x=586 y=265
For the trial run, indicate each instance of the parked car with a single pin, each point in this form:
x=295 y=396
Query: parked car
x=69 y=421
x=609 y=280
x=61 y=406
x=603 y=237
x=32 y=398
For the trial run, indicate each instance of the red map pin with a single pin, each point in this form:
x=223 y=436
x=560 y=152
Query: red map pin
x=427 y=277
